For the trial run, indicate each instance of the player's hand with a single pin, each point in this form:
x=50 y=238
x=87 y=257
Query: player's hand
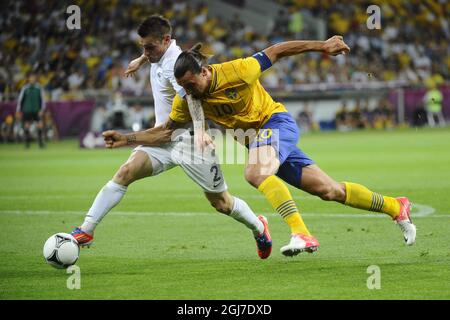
x=203 y=141
x=335 y=46
x=114 y=139
x=18 y=116
x=134 y=66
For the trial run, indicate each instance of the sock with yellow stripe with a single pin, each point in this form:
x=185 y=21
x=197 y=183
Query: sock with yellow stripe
x=281 y=200
x=360 y=197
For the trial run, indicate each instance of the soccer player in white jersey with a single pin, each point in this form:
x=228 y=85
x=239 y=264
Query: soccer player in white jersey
x=149 y=160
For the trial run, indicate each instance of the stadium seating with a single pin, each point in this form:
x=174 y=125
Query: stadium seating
x=413 y=46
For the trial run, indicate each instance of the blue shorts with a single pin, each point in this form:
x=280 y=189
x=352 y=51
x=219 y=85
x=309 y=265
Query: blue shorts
x=281 y=132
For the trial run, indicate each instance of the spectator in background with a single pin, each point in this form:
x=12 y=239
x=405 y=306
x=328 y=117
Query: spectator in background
x=412 y=45
x=367 y=117
x=356 y=117
x=295 y=22
x=30 y=109
x=118 y=112
x=3 y=87
x=7 y=129
x=281 y=25
x=433 y=105
x=139 y=117
x=75 y=79
x=99 y=120
x=305 y=120
x=384 y=115
x=342 y=118
x=134 y=85
x=420 y=116
x=50 y=129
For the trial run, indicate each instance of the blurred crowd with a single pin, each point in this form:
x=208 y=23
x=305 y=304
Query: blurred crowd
x=118 y=114
x=412 y=44
x=362 y=117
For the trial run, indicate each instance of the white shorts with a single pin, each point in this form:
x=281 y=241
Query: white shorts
x=203 y=168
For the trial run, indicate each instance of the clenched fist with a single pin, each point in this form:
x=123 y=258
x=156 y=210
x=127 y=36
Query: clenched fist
x=335 y=46
x=114 y=139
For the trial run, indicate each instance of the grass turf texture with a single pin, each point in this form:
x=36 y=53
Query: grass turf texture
x=164 y=241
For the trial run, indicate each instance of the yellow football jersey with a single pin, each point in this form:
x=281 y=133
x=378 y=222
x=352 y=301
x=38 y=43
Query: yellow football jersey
x=236 y=98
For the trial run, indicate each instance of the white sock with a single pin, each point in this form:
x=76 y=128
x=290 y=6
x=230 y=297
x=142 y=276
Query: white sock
x=242 y=213
x=106 y=199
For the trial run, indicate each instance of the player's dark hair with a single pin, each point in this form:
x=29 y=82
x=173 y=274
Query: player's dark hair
x=190 y=60
x=156 y=26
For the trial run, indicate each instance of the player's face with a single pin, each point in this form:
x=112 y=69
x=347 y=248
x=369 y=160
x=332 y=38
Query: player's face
x=195 y=84
x=154 y=47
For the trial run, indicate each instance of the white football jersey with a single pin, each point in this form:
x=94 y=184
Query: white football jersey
x=164 y=85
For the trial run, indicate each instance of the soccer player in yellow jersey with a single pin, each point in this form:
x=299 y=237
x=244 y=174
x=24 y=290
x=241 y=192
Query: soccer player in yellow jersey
x=232 y=96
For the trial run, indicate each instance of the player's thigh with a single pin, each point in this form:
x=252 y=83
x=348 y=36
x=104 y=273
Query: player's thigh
x=142 y=164
x=201 y=167
x=207 y=175
x=291 y=169
x=262 y=162
x=274 y=143
x=315 y=181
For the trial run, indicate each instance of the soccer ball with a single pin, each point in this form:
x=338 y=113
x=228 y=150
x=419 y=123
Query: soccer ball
x=61 y=250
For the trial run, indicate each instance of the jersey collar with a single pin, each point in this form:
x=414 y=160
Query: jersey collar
x=213 y=85
x=173 y=44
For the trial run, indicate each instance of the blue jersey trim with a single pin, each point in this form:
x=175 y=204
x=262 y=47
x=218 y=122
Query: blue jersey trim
x=182 y=93
x=263 y=60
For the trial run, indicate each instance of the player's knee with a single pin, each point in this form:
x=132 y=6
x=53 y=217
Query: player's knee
x=125 y=174
x=253 y=176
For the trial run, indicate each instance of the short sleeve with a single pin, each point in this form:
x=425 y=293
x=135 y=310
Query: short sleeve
x=249 y=69
x=180 y=110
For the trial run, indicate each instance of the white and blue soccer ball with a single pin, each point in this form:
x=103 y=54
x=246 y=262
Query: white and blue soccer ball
x=61 y=250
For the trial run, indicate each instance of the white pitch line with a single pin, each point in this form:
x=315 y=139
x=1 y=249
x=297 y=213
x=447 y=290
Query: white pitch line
x=424 y=211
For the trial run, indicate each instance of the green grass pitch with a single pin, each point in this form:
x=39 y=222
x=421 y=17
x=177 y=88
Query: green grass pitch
x=164 y=241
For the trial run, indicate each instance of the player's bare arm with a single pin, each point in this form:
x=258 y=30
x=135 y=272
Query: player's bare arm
x=152 y=137
x=201 y=137
x=333 y=46
x=134 y=65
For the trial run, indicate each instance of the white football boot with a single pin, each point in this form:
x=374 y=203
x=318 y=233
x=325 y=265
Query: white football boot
x=404 y=221
x=300 y=243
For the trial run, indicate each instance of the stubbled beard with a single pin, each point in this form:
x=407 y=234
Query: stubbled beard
x=197 y=95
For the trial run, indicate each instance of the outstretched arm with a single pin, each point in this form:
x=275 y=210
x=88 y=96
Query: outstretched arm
x=152 y=137
x=134 y=65
x=333 y=46
x=202 y=139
